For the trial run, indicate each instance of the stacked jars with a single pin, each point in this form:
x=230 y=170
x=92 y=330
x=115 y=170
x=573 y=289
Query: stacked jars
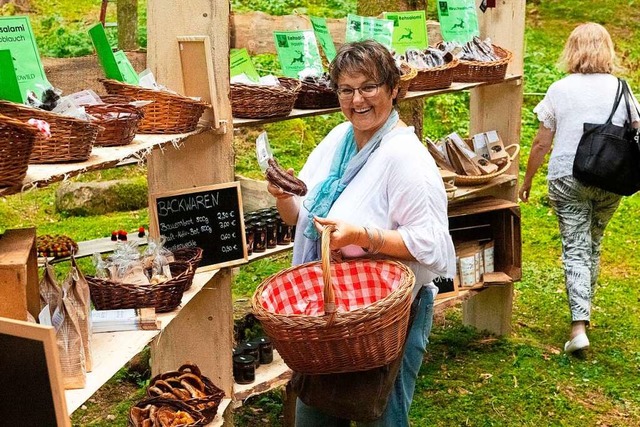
x=248 y=356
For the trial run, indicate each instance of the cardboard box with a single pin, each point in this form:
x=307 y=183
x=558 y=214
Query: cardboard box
x=19 y=292
x=497 y=154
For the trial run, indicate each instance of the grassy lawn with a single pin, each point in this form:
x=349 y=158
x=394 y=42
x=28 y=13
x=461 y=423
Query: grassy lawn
x=469 y=378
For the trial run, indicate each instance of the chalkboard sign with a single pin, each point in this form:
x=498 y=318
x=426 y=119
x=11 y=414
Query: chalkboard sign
x=446 y=287
x=31 y=392
x=207 y=217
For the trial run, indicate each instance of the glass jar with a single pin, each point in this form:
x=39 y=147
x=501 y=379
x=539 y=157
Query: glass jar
x=244 y=369
x=251 y=349
x=284 y=233
x=249 y=236
x=265 y=349
x=259 y=237
x=272 y=233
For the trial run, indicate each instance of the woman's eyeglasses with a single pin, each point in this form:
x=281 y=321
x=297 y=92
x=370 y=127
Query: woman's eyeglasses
x=366 y=91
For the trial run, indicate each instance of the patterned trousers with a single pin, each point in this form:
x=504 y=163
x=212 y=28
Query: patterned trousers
x=583 y=213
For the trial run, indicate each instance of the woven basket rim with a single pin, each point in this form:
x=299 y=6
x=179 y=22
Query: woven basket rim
x=451 y=64
x=176 y=96
x=53 y=116
x=6 y=120
x=413 y=71
x=502 y=52
x=481 y=179
x=284 y=89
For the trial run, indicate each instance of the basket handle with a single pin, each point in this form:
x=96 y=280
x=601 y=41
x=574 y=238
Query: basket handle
x=325 y=250
x=516 y=150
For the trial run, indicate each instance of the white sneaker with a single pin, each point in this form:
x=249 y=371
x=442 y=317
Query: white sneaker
x=579 y=342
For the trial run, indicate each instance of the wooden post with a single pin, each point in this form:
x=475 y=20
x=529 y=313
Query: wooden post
x=127 y=24
x=205 y=335
x=498 y=107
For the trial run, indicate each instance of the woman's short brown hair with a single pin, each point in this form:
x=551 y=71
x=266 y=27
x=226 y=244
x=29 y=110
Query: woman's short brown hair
x=368 y=58
x=589 y=50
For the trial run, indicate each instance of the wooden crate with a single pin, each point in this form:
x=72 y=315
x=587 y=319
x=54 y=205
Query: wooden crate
x=19 y=274
x=491 y=219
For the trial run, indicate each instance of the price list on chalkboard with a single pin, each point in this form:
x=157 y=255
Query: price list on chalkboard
x=205 y=217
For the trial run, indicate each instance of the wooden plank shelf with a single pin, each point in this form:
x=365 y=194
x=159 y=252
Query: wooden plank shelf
x=101 y=158
x=269 y=252
x=296 y=113
x=268 y=377
x=113 y=350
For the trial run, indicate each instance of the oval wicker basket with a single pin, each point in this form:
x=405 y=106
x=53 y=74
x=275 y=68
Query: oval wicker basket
x=260 y=101
x=365 y=336
x=166 y=296
x=71 y=139
x=16 y=144
x=467 y=180
x=191 y=256
x=119 y=123
x=168 y=113
x=314 y=96
x=407 y=74
x=478 y=71
x=206 y=405
x=173 y=405
x=435 y=78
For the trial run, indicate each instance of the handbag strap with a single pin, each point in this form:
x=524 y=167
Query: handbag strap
x=616 y=103
x=628 y=99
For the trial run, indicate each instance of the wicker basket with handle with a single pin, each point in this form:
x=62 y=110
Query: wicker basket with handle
x=325 y=317
x=71 y=139
x=168 y=113
x=470 y=180
x=16 y=144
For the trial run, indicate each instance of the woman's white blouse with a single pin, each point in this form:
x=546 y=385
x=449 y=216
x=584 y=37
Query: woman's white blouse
x=399 y=188
x=569 y=104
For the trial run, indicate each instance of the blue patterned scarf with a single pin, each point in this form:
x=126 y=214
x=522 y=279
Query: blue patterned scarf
x=345 y=165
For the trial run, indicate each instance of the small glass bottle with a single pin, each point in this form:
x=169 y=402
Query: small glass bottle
x=259 y=237
x=265 y=348
x=244 y=369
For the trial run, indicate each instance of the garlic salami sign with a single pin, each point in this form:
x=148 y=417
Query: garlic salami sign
x=208 y=217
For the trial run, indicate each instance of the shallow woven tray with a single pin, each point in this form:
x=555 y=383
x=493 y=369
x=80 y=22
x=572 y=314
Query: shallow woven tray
x=407 y=74
x=477 y=71
x=119 y=123
x=168 y=113
x=466 y=180
x=351 y=341
x=16 y=144
x=312 y=96
x=206 y=405
x=71 y=139
x=109 y=295
x=435 y=78
x=259 y=101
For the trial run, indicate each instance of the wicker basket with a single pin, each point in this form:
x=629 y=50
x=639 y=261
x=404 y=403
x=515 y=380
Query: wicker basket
x=435 y=78
x=467 y=180
x=168 y=113
x=313 y=96
x=347 y=331
x=191 y=256
x=407 y=74
x=166 y=296
x=119 y=123
x=16 y=144
x=259 y=101
x=206 y=405
x=477 y=71
x=71 y=139
x=174 y=405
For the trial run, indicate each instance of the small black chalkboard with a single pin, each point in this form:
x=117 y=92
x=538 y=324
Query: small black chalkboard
x=207 y=217
x=31 y=392
x=446 y=287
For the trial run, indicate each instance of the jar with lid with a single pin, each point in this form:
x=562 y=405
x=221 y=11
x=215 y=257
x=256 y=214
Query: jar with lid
x=265 y=349
x=272 y=233
x=284 y=233
x=244 y=369
x=249 y=236
x=252 y=349
x=259 y=237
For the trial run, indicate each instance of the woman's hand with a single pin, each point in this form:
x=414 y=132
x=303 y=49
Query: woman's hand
x=345 y=234
x=525 y=191
x=278 y=192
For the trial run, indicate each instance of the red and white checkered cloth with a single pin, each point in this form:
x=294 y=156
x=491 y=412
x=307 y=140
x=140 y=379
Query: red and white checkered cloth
x=357 y=284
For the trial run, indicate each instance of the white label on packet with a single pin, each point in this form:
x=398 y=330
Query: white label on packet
x=263 y=151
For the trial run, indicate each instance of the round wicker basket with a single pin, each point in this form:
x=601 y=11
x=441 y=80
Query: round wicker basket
x=364 y=336
x=466 y=180
x=16 y=144
x=168 y=113
x=478 y=71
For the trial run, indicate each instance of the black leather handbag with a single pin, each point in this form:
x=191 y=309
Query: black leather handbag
x=608 y=155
